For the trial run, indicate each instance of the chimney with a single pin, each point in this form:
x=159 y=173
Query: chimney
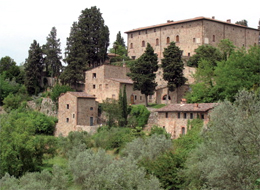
x=228 y=20
x=213 y=17
x=196 y=105
x=183 y=101
x=168 y=21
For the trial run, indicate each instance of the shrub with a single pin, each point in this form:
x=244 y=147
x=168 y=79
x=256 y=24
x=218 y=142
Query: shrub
x=57 y=90
x=138 y=116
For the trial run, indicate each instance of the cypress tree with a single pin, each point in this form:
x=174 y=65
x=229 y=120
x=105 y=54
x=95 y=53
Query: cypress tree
x=53 y=54
x=120 y=40
x=143 y=72
x=173 y=67
x=123 y=107
x=33 y=68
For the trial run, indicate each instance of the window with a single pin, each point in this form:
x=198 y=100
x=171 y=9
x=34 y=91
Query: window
x=165 y=97
x=131 y=46
x=94 y=86
x=177 y=38
x=133 y=57
x=168 y=40
x=106 y=86
x=154 y=30
x=139 y=32
x=73 y=115
x=135 y=97
x=184 y=115
x=157 y=42
x=94 y=75
x=131 y=35
x=141 y=97
x=113 y=96
x=68 y=106
x=183 y=130
x=194 y=40
x=163 y=127
x=67 y=120
x=213 y=38
x=91 y=121
x=145 y=31
x=202 y=116
x=191 y=115
x=91 y=108
x=143 y=43
x=179 y=115
x=188 y=54
x=166 y=114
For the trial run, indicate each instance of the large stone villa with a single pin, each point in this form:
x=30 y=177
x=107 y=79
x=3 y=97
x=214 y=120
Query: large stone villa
x=78 y=111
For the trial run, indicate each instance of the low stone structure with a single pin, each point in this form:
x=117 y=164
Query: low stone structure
x=174 y=117
x=78 y=111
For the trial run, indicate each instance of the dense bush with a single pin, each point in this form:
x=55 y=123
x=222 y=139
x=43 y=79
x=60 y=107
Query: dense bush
x=114 y=138
x=97 y=170
x=159 y=131
x=57 y=90
x=138 y=116
x=149 y=147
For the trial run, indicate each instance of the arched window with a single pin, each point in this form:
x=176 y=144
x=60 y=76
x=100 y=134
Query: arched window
x=157 y=42
x=143 y=43
x=177 y=38
x=165 y=96
x=168 y=40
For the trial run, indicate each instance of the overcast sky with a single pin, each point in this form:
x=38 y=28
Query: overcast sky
x=22 y=21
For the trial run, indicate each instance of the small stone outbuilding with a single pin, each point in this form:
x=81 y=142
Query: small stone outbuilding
x=174 y=117
x=78 y=111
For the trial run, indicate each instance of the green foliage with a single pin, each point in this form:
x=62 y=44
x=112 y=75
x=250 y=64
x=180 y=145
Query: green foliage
x=242 y=22
x=157 y=106
x=12 y=102
x=226 y=48
x=9 y=69
x=173 y=67
x=21 y=150
x=53 y=57
x=228 y=158
x=57 y=180
x=34 y=68
x=159 y=131
x=113 y=112
x=113 y=138
x=139 y=115
x=86 y=46
x=206 y=52
x=7 y=87
x=143 y=72
x=74 y=143
x=58 y=90
x=149 y=147
x=239 y=71
x=97 y=170
x=123 y=106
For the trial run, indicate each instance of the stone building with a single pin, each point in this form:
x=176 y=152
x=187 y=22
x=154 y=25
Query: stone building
x=78 y=111
x=189 y=35
x=106 y=81
x=174 y=117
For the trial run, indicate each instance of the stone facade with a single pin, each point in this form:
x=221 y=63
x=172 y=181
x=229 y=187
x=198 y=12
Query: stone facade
x=189 y=35
x=106 y=81
x=76 y=109
x=174 y=117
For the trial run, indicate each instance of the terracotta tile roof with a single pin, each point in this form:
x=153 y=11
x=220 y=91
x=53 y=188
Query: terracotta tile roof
x=196 y=107
x=81 y=95
x=187 y=20
x=124 y=81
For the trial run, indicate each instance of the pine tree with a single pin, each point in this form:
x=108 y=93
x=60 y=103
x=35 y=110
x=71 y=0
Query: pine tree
x=34 y=68
x=143 y=72
x=173 y=67
x=53 y=54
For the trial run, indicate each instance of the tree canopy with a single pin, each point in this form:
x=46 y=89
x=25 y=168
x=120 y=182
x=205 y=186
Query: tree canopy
x=173 y=67
x=143 y=72
x=34 y=68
